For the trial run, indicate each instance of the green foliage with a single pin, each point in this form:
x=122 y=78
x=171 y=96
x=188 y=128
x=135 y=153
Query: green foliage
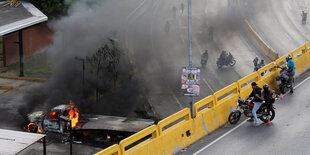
x=51 y=8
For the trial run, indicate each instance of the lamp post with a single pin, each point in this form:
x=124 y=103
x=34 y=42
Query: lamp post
x=83 y=60
x=190 y=50
x=21 y=53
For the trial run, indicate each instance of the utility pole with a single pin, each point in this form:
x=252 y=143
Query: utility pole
x=190 y=50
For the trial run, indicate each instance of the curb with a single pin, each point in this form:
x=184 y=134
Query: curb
x=25 y=78
x=7 y=87
x=267 y=50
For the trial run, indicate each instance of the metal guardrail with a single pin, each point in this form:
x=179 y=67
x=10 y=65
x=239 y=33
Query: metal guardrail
x=211 y=113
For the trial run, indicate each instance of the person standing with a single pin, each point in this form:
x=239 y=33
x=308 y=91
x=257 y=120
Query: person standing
x=291 y=71
x=303 y=17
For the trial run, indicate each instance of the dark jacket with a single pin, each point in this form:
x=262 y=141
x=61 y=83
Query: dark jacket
x=268 y=97
x=255 y=91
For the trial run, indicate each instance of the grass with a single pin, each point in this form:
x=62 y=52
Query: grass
x=34 y=66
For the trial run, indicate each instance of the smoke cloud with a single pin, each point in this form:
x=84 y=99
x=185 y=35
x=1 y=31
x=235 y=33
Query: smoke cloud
x=88 y=26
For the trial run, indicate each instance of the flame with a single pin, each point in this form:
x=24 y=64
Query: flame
x=108 y=137
x=85 y=133
x=73 y=114
x=39 y=129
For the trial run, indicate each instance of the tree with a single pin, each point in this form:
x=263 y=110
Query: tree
x=104 y=63
x=52 y=8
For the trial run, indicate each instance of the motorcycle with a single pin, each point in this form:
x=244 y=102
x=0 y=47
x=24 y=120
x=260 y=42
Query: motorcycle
x=283 y=80
x=203 y=62
x=229 y=60
x=245 y=107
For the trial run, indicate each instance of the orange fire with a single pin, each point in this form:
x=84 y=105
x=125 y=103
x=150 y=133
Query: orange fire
x=38 y=131
x=73 y=114
x=108 y=137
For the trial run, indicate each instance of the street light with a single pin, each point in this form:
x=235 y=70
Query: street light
x=83 y=60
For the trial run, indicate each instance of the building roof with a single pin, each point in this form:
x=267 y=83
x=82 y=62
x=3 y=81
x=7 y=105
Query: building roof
x=13 y=19
x=12 y=142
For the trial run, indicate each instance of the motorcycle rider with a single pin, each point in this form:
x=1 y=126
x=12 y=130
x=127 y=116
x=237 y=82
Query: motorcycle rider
x=204 y=59
x=223 y=57
x=256 y=93
x=255 y=62
x=269 y=100
x=290 y=70
x=283 y=77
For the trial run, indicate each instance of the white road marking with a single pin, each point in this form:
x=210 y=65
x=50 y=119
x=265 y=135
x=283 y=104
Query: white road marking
x=205 y=81
x=230 y=131
x=220 y=138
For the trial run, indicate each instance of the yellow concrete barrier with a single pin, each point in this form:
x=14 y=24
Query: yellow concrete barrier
x=180 y=130
x=269 y=77
x=145 y=142
x=244 y=84
x=229 y=96
x=208 y=101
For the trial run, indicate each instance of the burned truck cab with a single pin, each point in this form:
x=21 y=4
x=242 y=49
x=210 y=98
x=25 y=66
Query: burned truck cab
x=51 y=121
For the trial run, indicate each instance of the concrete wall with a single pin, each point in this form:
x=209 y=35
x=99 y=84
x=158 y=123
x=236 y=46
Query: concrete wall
x=34 y=39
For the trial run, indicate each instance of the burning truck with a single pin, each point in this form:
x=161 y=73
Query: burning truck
x=40 y=122
x=97 y=128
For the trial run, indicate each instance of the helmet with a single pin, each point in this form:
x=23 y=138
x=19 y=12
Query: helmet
x=265 y=86
x=288 y=57
x=253 y=84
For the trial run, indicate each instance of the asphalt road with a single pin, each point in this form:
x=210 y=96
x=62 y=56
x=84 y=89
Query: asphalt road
x=288 y=134
x=279 y=22
x=159 y=51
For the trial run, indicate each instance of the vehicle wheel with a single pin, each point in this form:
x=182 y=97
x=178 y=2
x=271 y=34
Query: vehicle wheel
x=218 y=65
x=234 y=117
x=264 y=118
x=33 y=128
x=232 y=63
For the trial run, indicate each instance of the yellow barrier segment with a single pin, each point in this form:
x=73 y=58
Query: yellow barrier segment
x=112 y=150
x=183 y=113
x=208 y=100
x=270 y=71
x=139 y=149
x=226 y=104
x=170 y=136
x=206 y=120
x=245 y=90
x=179 y=135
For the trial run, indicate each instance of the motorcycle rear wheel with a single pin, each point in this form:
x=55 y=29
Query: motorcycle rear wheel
x=234 y=117
x=232 y=63
x=264 y=118
x=219 y=65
